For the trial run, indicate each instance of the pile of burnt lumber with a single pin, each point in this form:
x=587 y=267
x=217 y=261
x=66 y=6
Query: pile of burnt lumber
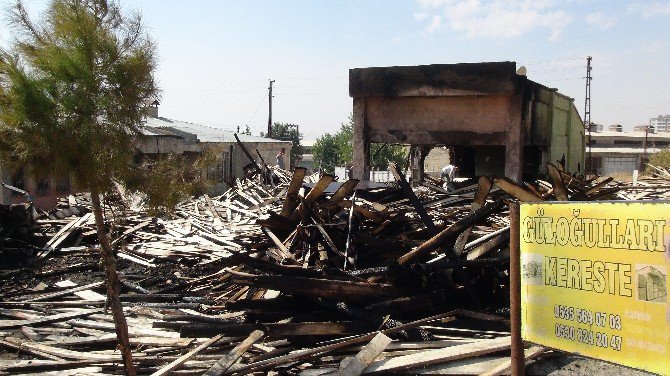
x=297 y=277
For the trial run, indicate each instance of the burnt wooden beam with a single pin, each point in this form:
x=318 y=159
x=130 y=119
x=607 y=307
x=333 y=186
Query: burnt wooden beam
x=271 y=267
x=516 y=190
x=483 y=189
x=313 y=194
x=343 y=191
x=274 y=329
x=449 y=233
x=322 y=288
x=560 y=192
x=246 y=152
x=409 y=193
x=331 y=346
x=292 y=200
x=377 y=321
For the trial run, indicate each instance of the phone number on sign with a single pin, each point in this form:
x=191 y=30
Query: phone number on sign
x=588 y=317
x=586 y=335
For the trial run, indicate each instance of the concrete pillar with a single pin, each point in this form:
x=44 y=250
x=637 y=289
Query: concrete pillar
x=361 y=163
x=515 y=139
x=424 y=150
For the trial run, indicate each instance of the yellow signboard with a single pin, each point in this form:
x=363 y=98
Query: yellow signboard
x=594 y=280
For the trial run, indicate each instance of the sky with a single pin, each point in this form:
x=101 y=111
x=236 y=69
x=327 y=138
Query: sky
x=216 y=57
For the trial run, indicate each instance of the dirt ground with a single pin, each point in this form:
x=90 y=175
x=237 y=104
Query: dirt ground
x=564 y=365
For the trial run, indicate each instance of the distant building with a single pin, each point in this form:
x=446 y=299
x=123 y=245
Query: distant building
x=167 y=136
x=661 y=123
x=615 y=151
x=43 y=191
x=161 y=136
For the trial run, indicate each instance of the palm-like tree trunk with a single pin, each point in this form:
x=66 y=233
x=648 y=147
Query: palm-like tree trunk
x=113 y=286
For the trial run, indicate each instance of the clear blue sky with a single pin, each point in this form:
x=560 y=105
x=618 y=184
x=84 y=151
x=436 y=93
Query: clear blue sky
x=216 y=56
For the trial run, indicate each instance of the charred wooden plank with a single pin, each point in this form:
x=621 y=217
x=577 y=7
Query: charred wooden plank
x=515 y=190
x=449 y=233
x=366 y=356
x=324 y=288
x=279 y=330
x=291 y=201
x=483 y=189
x=409 y=193
x=424 y=358
x=560 y=192
x=332 y=346
x=15 y=324
x=229 y=359
x=246 y=152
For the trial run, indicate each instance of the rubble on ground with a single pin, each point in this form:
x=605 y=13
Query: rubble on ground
x=303 y=275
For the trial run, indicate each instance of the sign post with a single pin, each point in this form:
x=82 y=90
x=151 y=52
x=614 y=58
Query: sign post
x=594 y=280
x=518 y=363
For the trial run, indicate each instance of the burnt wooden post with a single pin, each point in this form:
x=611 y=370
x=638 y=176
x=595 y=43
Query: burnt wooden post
x=518 y=366
x=361 y=167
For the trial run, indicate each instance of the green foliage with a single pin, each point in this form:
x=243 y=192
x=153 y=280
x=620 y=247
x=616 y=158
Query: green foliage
x=335 y=150
x=73 y=91
x=383 y=154
x=660 y=159
x=289 y=132
x=344 y=140
x=326 y=153
x=171 y=179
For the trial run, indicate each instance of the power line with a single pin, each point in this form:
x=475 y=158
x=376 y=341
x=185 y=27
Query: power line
x=260 y=103
x=559 y=69
x=554 y=60
x=566 y=79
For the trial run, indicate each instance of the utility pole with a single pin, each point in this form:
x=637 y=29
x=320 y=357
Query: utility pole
x=644 y=145
x=270 y=109
x=587 y=112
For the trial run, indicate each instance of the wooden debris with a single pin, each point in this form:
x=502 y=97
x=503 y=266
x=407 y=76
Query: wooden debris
x=349 y=278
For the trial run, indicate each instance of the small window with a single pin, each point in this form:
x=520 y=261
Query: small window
x=43 y=186
x=63 y=185
x=18 y=181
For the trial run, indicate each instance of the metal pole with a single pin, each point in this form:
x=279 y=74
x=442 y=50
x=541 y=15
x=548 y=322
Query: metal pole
x=644 y=155
x=587 y=115
x=518 y=366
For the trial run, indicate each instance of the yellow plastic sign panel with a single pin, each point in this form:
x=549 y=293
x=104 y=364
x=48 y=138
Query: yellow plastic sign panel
x=594 y=280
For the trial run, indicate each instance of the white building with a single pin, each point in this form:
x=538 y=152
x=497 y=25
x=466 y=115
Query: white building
x=615 y=151
x=661 y=123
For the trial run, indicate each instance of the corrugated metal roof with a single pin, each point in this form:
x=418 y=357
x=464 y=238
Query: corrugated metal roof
x=203 y=132
x=152 y=131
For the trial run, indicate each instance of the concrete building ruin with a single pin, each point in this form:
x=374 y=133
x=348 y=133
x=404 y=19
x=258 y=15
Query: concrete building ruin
x=168 y=136
x=498 y=122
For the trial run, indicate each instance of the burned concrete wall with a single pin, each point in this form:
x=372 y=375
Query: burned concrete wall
x=484 y=110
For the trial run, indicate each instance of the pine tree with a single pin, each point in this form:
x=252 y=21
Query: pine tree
x=73 y=89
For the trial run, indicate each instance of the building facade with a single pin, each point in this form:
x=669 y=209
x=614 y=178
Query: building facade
x=498 y=122
x=661 y=123
x=617 y=152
